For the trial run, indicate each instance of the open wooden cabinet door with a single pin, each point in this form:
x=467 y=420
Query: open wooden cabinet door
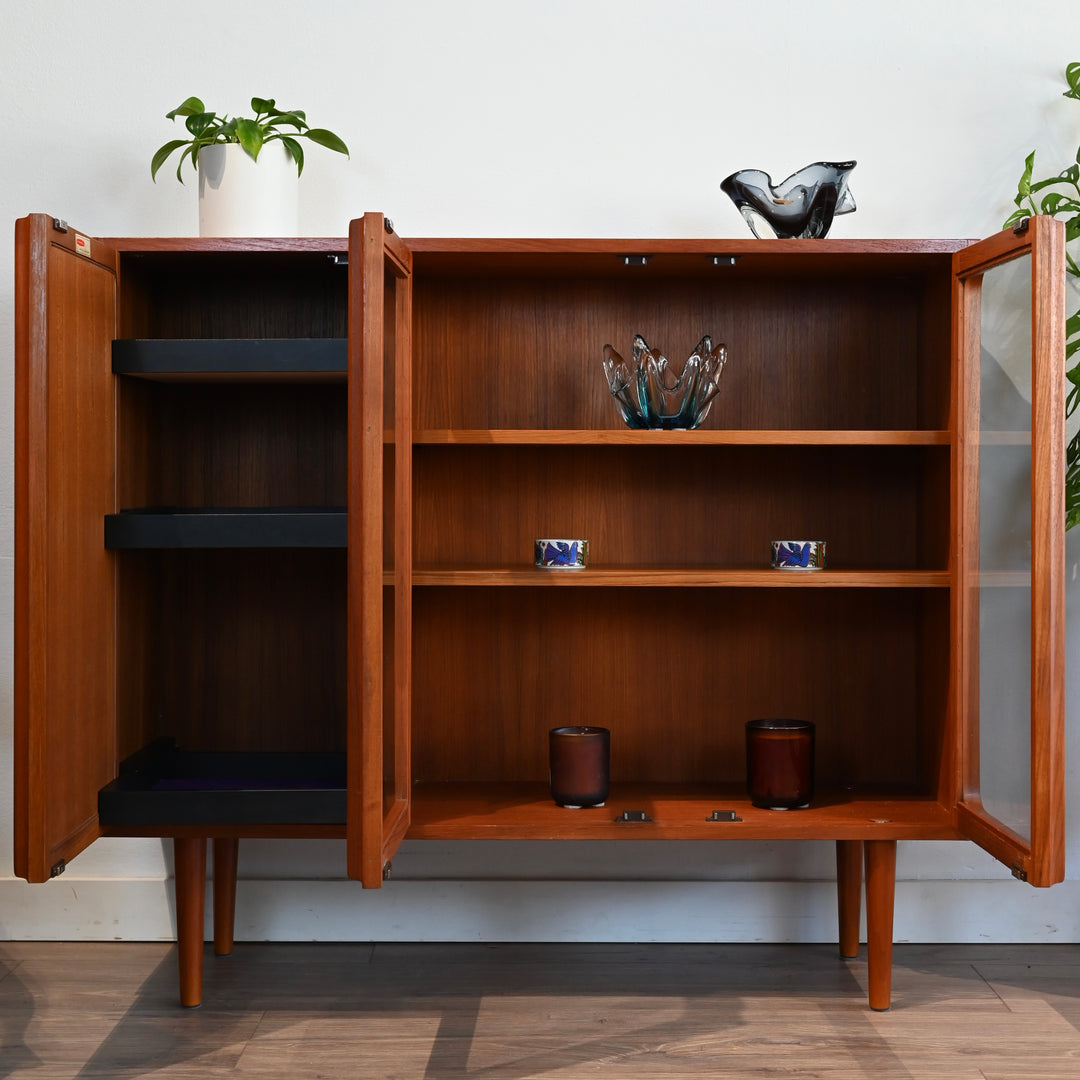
x=380 y=546
x=65 y=635
x=1009 y=601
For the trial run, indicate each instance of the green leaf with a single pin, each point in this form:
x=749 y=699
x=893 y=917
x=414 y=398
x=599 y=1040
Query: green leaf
x=198 y=123
x=327 y=139
x=188 y=150
x=249 y=135
x=1072 y=77
x=189 y=107
x=296 y=150
x=1024 y=184
x=293 y=119
x=159 y=158
x=1057 y=202
x=262 y=105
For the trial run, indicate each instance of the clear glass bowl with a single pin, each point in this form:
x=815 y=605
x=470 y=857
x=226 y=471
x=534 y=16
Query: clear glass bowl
x=802 y=207
x=648 y=393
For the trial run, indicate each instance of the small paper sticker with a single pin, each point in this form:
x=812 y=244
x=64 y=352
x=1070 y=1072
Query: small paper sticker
x=82 y=244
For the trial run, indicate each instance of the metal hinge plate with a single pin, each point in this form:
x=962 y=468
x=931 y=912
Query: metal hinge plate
x=723 y=815
x=58 y=868
x=636 y=816
x=386 y=871
x=59 y=224
x=1021 y=226
x=1019 y=873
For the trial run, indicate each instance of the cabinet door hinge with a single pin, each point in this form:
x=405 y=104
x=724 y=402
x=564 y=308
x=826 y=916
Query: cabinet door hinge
x=1019 y=873
x=58 y=868
x=386 y=870
x=633 y=816
x=1021 y=226
x=388 y=225
x=59 y=224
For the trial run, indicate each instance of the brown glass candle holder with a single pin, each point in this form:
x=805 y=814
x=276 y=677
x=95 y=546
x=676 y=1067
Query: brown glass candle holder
x=780 y=763
x=580 y=765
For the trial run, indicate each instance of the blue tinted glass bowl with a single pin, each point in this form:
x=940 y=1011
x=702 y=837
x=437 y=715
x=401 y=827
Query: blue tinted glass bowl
x=649 y=394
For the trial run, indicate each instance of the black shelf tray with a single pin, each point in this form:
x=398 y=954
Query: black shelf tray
x=162 y=785
x=193 y=357
x=228 y=527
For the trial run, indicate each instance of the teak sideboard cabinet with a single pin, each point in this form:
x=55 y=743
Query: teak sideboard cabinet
x=275 y=510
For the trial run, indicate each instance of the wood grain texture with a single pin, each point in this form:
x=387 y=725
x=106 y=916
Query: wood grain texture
x=189 y=859
x=226 y=859
x=65 y=742
x=699 y=437
x=849 y=865
x=513 y=352
x=1041 y=859
x=502 y=666
x=690 y=506
x=880 y=898
x=659 y=577
x=524 y=810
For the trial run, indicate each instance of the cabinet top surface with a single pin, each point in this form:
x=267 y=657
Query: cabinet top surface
x=545 y=245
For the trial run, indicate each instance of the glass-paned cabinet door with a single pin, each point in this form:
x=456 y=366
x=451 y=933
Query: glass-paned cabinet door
x=380 y=546
x=1009 y=599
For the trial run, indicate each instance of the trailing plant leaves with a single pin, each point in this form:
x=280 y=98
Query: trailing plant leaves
x=250 y=136
x=297 y=152
x=262 y=105
x=159 y=158
x=327 y=139
x=189 y=107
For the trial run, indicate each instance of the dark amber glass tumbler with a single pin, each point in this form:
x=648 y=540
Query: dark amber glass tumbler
x=780 y=763
x=580 y=765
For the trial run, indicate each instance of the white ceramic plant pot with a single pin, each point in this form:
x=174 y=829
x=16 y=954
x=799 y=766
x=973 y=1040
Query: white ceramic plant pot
x=241 y=197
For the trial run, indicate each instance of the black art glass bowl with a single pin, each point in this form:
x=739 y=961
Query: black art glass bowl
x=801 y=207
x=648 y=394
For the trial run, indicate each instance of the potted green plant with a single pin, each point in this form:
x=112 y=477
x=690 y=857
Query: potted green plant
x=1060 y=198
x=245 y=165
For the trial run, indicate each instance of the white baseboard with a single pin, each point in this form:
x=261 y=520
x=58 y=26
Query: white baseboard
x=1000 y=911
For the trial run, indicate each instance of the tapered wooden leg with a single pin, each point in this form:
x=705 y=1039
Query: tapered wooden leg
x=849 y=860
x=189 y=859
x=226 y=853
x=880 y=894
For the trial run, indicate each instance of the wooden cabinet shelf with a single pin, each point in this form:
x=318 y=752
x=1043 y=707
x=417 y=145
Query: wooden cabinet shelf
x=225 y=527
x=164 y=786
x=682 y=578
x=524 y=811
x=714 y=437
x=292 y=359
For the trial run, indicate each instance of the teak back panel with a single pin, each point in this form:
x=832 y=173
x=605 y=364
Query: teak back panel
x=878 y=507
x=675 y=673
x=804 y=352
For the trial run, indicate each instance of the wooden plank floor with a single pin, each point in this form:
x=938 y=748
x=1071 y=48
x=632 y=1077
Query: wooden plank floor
x=558 y=1012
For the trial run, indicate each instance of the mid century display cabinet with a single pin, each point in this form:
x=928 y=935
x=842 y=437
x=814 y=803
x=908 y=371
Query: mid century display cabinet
x=275 y=511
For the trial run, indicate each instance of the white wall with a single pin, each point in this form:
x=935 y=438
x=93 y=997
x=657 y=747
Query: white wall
x=566 y=118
